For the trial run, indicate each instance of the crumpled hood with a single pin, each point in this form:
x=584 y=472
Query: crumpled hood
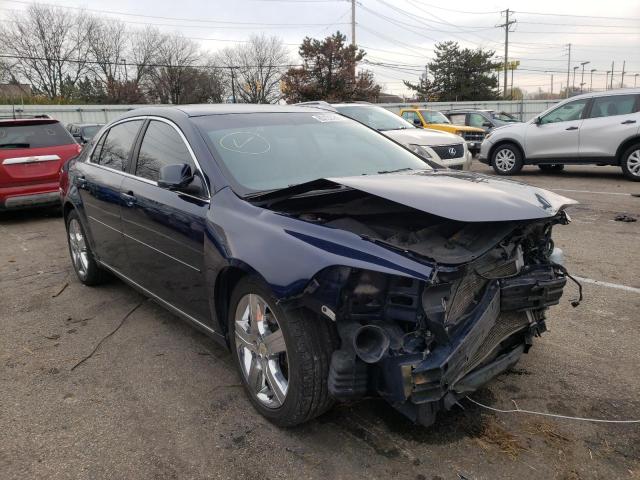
x=416 y=136
x=461 y=196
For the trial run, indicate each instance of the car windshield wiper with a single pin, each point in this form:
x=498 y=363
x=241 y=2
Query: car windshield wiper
x=15 y=145
x=391 y=129
x=314 y=187
x=396 y=170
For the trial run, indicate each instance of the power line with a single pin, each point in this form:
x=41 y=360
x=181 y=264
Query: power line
x=600 y=17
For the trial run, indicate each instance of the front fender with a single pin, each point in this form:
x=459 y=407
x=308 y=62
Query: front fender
x=287 y=252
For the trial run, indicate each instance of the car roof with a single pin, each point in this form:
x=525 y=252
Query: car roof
x=220 y=109
x=618 y=91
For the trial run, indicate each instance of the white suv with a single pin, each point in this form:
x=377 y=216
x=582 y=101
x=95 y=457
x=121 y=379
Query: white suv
x=595 y=128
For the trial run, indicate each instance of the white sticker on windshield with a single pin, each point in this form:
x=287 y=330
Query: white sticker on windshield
x=329 y=117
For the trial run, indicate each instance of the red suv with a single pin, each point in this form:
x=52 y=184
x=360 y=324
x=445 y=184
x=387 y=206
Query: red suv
x=32 y=152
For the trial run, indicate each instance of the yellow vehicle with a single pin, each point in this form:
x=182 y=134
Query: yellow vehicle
x=423 y=118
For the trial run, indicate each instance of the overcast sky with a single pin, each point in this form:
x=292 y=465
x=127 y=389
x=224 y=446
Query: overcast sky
x=403 y=32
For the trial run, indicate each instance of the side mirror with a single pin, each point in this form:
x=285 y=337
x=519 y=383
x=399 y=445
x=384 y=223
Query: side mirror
x=487 y=124
x=537 y=121
x=175 y=176
x=417 y=122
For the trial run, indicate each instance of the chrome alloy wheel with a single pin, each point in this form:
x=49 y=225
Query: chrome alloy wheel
x=505 y=160
x=262 y=351
x=633 y=163
x=78 y=247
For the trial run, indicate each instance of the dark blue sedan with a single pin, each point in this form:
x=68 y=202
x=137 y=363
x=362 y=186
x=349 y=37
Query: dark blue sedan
x=333 y=262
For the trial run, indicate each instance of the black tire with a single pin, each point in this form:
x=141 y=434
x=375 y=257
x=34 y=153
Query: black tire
x=90 y=274
x=556 y=167
x=309 y=341
x=506 y=159
x=630 y=162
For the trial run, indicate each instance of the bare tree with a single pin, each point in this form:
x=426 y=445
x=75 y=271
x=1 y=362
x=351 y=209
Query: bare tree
x=143 y=50
x=108 y=43
x=176 y=58
x=50 y=47
x=257 y=67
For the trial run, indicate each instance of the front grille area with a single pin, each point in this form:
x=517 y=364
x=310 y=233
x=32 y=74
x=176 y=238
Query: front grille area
x=473 y=136
x=465 y=296
x=447 y=152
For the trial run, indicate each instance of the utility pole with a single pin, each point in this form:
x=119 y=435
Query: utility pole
x=233 y=85
x=591 y=81
x=552 y=84
x=573 y=84
x=612 y=65
x=568 y=69
x=582 y=78
x=624 y=64
x=353 y=22
x=507 y=26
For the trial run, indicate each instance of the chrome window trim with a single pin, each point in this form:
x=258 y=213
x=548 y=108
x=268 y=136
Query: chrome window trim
x=146 y=180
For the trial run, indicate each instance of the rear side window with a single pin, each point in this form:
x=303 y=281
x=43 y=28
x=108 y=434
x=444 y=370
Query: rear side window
x=114 y=148
x=161 y=145
x=458 y=118
x=613 y=105
x=33 y=135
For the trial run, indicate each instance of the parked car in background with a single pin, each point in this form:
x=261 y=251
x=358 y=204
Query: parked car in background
x=334 y=263
x=485 y=119
x=443 y=148
x=595 y=128
x=423 y=118
x=32 y=152
x=83 y=132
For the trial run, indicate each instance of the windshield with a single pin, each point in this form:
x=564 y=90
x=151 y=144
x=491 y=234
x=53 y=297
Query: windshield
x=267 y=151
x=375 y=117
x=504 y=117
x=434 y=117
x=89 y=132
x=33 y=135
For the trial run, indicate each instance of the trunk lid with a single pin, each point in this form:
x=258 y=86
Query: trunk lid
x=33 y=151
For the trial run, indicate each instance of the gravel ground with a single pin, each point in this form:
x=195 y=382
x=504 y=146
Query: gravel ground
x=160 y=400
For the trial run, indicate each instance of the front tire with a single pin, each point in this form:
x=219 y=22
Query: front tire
x=283 y=357
x=507 y=159
x=630 y=163
x=84 y=264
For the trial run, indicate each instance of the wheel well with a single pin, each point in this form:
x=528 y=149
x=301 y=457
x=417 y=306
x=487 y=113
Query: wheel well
x=68 y=206
x=623 y=147
x=225 y=283
x=505 y=142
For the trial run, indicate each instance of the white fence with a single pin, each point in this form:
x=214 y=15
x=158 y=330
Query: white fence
x=523 y=110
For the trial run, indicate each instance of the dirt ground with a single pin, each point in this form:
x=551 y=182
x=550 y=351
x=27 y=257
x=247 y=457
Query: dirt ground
x=159 y=400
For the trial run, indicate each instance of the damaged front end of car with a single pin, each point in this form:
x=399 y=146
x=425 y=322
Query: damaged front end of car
x=424 y=342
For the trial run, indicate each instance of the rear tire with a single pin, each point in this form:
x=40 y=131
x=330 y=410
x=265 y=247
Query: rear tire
x=82 y=259
x=630 y=162
x=507 y=159
x=286 y=383
x=556 y=167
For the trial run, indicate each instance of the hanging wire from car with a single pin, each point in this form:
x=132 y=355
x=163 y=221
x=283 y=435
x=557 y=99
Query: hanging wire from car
x=546 y=414
x=575 y=302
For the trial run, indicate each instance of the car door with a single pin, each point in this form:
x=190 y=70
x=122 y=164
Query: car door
x=480 y=121
x=164 y=230
x=98 y=181
x=556 y=136
x=611 y=120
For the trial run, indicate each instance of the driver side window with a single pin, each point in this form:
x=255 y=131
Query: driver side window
x=567 y=112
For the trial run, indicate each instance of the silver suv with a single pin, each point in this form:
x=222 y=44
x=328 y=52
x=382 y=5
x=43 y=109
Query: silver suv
x=595 y=128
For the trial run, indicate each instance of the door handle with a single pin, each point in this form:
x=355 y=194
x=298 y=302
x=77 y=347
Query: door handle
x=572 y=128
x=81 y=182
x=129 y=198
x=627 y=122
